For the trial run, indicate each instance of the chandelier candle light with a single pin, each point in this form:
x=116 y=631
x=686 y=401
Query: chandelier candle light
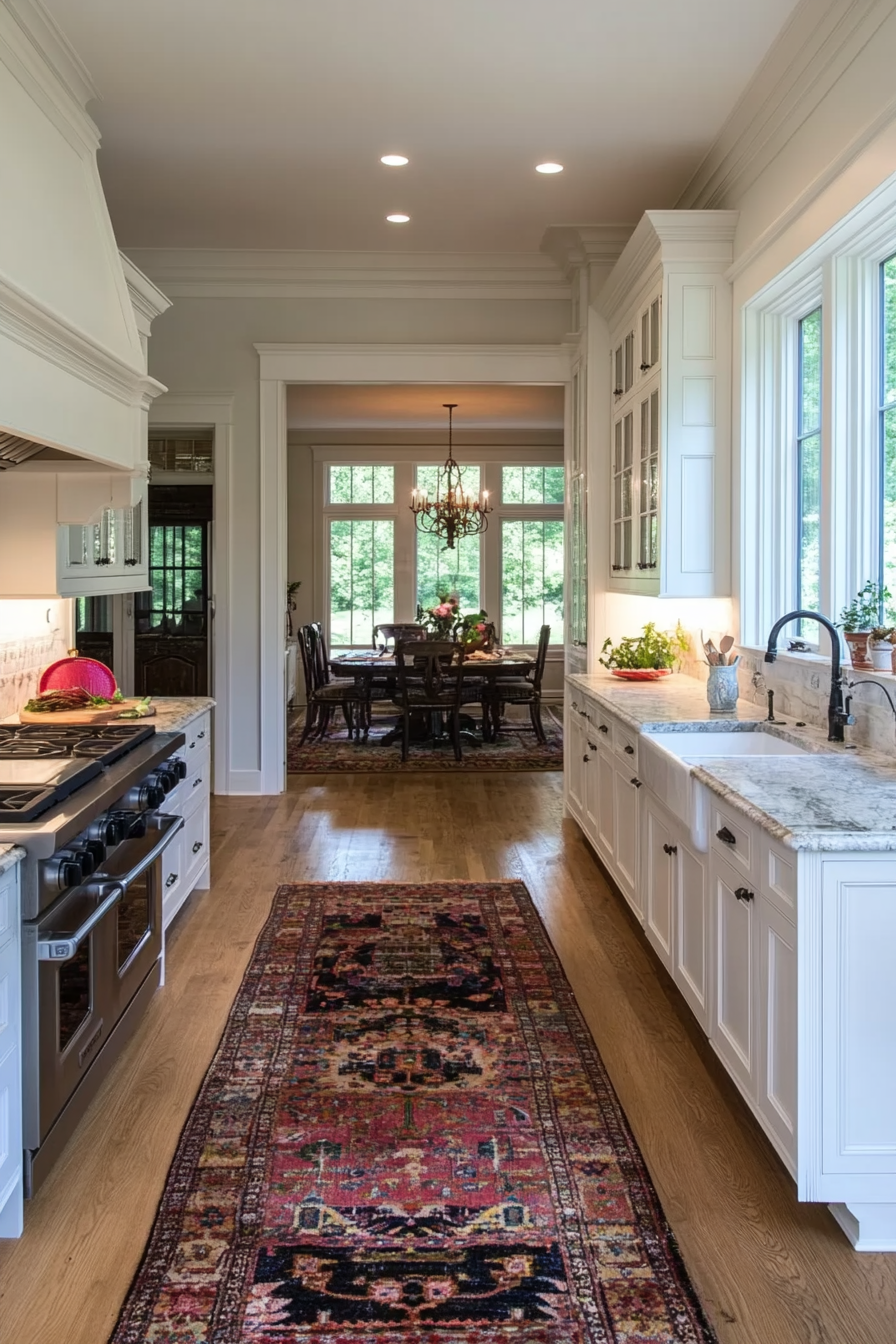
x=454 y=512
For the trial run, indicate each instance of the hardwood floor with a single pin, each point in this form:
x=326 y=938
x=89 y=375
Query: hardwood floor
x=769 y=1271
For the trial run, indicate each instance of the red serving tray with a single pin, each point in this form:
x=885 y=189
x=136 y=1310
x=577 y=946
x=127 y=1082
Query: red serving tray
x=94 y=677
x=641 y=673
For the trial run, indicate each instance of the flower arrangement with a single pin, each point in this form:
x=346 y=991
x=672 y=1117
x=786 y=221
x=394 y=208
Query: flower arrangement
x=445 y=621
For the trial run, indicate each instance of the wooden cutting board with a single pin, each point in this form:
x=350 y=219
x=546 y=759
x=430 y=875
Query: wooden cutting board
x=82 y=716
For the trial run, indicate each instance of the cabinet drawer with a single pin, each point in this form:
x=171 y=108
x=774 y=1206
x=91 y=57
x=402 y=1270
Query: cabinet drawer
x=194 y=840
x=733 y=836
x=778 y=877
x=625 y=744
x=198 y=735
x=172 y=878
x=195 y=784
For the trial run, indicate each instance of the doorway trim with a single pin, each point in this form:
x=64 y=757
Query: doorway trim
x=212 y=410
x=283 y=364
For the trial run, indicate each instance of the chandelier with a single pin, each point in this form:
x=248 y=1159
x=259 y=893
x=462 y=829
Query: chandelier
x=454 y=512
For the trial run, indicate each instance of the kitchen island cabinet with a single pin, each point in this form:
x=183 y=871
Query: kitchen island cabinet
x=11 y=1181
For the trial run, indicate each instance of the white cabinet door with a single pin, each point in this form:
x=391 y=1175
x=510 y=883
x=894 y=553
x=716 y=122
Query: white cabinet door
x=574 y=765
x=590 y=765
x=10 y=1058
x=625 y=806
x=658 y=864
x=733 y=1029
x=777 y=1055
x=692 y=930
x=606 y=809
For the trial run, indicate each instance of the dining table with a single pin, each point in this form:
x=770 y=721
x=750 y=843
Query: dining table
x=367 y=666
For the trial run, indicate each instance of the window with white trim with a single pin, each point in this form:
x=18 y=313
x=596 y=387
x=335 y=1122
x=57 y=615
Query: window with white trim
x=818 y=448
x=376 y=566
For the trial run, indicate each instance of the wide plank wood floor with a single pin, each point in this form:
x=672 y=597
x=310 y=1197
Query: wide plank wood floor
x=769 y=1271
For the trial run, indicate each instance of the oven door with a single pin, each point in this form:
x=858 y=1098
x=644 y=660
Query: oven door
x=76 y=1000
x=95 y=948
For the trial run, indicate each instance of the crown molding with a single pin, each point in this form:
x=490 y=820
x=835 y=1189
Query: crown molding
x=810 y=54
x=148 y=301
x=192 y=408
x=30 y=324
x=667 y=237
x=574 y=246
x=40 y=57
x=237 y=274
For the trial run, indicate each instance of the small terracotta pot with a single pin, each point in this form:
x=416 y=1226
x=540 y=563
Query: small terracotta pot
x=858 y=648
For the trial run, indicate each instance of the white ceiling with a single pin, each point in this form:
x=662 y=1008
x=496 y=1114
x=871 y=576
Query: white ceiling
x=260 y=125
x=482 y=406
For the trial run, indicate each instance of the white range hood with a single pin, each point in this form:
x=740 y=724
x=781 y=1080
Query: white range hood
x=72 y=364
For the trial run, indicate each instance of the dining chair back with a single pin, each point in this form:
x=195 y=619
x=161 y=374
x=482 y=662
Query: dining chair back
x=430 y=678
x=304 y=639
x=397 y=633
x=544 y=639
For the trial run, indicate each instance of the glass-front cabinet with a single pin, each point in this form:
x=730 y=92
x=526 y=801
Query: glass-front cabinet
x=668 y=305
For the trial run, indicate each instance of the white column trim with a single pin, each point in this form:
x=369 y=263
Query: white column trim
x=213 y=410
x=282 y=364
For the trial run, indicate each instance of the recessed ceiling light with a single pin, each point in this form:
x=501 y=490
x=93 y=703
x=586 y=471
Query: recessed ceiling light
x=399 y=219
x=549 y=167
x=394 y=160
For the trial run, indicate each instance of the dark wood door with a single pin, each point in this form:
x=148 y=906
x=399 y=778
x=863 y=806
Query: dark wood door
x=171 y=637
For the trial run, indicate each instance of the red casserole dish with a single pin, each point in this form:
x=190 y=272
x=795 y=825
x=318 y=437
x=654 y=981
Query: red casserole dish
x=92 y=676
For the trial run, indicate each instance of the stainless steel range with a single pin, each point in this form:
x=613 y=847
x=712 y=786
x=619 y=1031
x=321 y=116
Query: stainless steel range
x=87 y=805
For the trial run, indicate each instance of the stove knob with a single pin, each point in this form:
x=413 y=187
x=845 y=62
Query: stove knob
x=147 y=794
x=133 y=825
x=177 y=766
x=62 y=871
x=107 y=830
x=97 y=851
x=84 y=859
x=166 y=779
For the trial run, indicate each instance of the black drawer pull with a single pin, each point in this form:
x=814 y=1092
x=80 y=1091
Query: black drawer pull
x=586 y=759
x=603 y=728
x=197 y=781
x=629 y=751
x=201 y=735
x=743 y=894
x=725 y=835
x=171 y=880
x=593 y=746
x=197 y=846
x=636 y=782
x=670 y=849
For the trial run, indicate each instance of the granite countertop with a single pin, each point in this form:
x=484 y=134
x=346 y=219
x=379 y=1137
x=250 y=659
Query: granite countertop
x=10 y=855
x=835 y=798
x=173 y=713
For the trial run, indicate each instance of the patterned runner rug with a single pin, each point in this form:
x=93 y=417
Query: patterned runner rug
x=407 y=1137
x=514 y=750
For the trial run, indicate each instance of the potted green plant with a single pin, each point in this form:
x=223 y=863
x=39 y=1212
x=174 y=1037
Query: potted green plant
x=861 y=617
x=291 y=589
x=881 y=647
x=653 y=653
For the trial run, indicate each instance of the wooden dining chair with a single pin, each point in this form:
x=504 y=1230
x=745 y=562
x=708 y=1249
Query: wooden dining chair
x=502 y=691
x=323 y=694
x=430 y=679
x=397 y=633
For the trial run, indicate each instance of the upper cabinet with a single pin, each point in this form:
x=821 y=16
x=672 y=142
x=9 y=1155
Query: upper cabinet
x=668 y=307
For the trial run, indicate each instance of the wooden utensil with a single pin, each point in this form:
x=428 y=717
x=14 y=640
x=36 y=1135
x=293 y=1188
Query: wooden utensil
x=726 y=644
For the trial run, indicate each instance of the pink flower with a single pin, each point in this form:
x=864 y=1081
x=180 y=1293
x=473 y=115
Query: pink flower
x=481 y=627
x=443 y=610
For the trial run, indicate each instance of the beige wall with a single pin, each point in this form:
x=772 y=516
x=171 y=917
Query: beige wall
x=207 y=345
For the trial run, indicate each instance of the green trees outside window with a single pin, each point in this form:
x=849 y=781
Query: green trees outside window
x=362 y=578
x=531 y=580
x=809 y=462
x=888 y=433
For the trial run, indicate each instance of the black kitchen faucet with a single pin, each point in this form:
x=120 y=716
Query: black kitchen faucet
x=838 y=717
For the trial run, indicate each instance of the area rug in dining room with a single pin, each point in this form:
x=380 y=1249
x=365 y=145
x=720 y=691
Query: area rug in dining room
x=407 y=1135
x=515 y=749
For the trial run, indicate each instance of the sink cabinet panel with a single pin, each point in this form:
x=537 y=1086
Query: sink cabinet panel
x=659 y=862
x=692 y=929
x=733 y=1026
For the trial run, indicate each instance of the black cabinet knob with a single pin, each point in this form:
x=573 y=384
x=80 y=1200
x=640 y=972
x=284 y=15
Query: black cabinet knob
x=603 y=728
x=636 y=782
x=725 y=835
x=629 y=751
x=670 y=849
x=586 y=759
x=743 y=894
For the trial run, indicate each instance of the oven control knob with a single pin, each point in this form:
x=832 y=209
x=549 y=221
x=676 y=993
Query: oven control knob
x=108 y=830
x=147 y=794
x=62 y=871
x=166 y=779
x=177 y=767
x=97 y=851
x=84 y=860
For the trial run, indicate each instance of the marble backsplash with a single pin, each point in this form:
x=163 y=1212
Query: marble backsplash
x=802 y=691
x=21 y=662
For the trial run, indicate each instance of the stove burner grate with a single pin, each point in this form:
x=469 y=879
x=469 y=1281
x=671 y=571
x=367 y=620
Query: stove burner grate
x=102 y=742
x=25 y=804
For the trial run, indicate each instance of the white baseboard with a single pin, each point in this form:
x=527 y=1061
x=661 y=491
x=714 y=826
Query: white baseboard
x=243 y=782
